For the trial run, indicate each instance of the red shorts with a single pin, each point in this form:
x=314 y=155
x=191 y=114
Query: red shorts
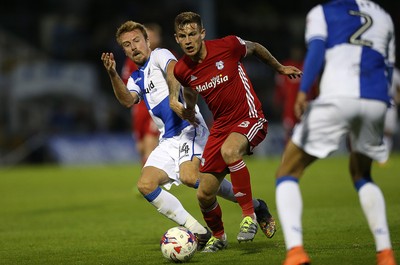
x=142 y=123
x=254 y=129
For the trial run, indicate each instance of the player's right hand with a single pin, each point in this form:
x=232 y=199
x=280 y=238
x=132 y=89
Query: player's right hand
x=184 y=113
x=301 y=104
x=108 y=61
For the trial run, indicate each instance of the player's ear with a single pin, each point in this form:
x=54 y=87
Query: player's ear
x=203 y=34
x=176 y=38
x=148 y=42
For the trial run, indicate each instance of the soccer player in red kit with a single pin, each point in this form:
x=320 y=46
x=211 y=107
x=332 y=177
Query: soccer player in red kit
x=213 y=69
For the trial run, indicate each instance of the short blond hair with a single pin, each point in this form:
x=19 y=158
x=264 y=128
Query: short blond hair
x=129 y=26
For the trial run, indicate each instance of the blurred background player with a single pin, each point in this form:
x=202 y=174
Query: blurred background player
x=286 y=91
x=144 y=130
x=354 y=95
x=391 y=118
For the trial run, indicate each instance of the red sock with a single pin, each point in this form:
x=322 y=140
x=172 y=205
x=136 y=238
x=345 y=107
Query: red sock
x=240 y=178
x=213 y=218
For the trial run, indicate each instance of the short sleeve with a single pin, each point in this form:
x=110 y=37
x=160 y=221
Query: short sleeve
x=237 y=45
x=316 y=27
x=132 y=87
x=162 y=57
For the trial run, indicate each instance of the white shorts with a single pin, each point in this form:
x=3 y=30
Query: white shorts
x=328 y=121
x=172 y=152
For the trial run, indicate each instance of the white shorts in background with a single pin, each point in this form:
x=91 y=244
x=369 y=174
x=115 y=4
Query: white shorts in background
x=171 y=152
x=327 y=121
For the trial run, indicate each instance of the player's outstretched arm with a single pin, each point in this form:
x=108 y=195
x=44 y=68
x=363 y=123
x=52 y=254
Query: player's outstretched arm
x=266 y=57
x=124 y=96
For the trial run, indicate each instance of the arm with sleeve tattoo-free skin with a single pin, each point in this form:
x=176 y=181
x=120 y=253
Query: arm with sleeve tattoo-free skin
x=124 y=96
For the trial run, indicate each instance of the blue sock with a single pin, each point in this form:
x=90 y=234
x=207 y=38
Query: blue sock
x=152 y=195
x=361 y=182
x=286 y=178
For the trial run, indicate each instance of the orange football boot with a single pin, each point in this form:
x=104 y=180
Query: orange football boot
x=385 y=257
x=297 y=256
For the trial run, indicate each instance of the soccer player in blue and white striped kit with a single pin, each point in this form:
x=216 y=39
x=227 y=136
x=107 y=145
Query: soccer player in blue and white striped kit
x=353 y=42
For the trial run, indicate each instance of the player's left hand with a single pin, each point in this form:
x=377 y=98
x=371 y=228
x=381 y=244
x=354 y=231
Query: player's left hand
x=291 y=71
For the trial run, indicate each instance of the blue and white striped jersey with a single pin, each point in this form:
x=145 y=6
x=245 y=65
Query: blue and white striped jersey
x=359 y=47
x=150 y=83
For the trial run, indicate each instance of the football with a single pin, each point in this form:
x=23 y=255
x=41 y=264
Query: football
x=178 y=244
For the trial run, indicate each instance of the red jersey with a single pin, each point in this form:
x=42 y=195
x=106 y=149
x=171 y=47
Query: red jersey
x=222 y=81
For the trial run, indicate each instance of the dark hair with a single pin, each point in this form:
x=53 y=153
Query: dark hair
x=185 y=18
x=130 y=26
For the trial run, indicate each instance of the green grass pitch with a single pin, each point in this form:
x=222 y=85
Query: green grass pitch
x=94 y=215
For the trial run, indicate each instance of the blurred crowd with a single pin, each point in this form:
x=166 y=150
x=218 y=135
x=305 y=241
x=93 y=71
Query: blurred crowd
x=62 y=34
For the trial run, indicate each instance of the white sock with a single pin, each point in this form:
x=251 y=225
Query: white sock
x=169 y=206
x=290 y=206
x=194 y=226
x=373 y=205
x=226 y=191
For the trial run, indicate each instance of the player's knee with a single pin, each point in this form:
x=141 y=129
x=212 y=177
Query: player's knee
x=230 y=155
x=141 y=187
x=189 y=176
x=146 y=187
x=189 y=179
x=204 y=196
